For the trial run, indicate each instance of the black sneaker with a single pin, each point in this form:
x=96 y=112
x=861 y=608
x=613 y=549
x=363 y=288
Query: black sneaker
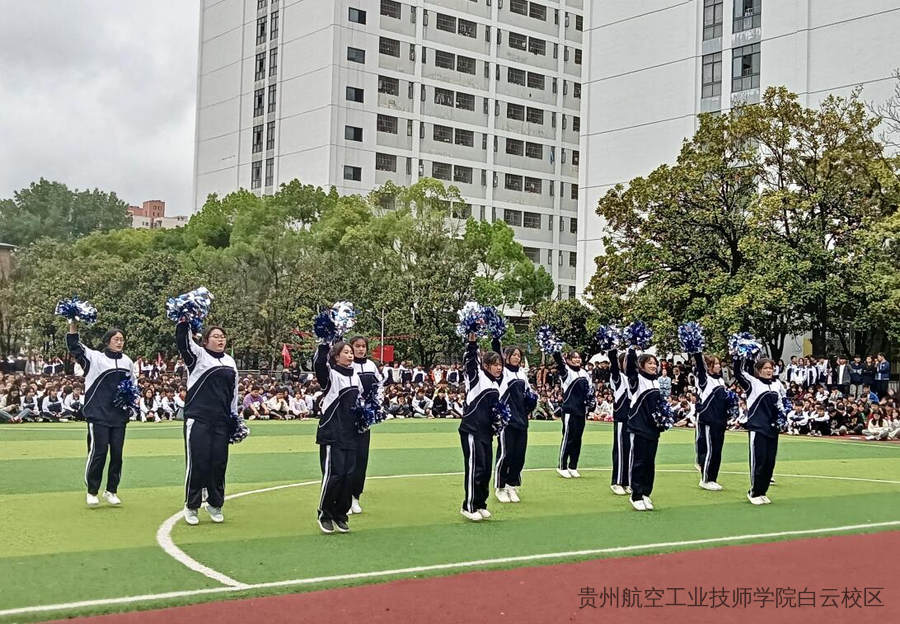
x=326 y=525
x=342 y=526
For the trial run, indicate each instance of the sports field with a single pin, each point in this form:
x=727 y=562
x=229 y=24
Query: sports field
x=56 y=551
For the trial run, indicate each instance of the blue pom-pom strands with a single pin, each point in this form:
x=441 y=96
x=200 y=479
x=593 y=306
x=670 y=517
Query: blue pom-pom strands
x=494 y=323
x=331 y=325
x=784 y=409
x=608 y=337
x=500 y=416
x=638 y=335
x=323 y=327
x=744 y=346
x=127 y=395
x=733 y=404
x=75 y=309
x=663 y=416
x=690 y=335
x=239 y=429
x=471 y=319
x=547 y=340
x=192 y=306
x=368 y=410
x=529 y=400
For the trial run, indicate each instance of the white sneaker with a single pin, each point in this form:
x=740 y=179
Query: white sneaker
x=617 y=489
x=190 y=516
x=639 y=505
x=765 y=500
x=648 y=503
x=484 y=513
x=698 y=468
x=710 y=485
x=502 y=495
x=92 y=500
x=354 y=506
x=474 y=516
x=215 y=513
x=628 y=489
x=756 y=500
x=513 y=494
x=563 y=473
x=574 y=473
x=111 y=498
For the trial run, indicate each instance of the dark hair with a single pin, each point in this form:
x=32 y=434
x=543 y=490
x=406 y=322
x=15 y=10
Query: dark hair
x=491 y=357
x=508 y=351
x=112 y=331
x=762 y=362
x=336 y=348
x=356 y=339
x=572 y=354
x=209 y=330
x=710 y=361
x=646 y=357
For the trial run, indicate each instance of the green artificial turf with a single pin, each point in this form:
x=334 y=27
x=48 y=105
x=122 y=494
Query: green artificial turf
x=55 y=550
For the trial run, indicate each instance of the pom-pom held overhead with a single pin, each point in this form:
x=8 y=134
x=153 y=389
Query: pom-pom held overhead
x=471 y=319
x=75 y=309
x=192 y=306
x=323 y=327
x=500 y=416
x=239 y=429
x=127 y=395
x=638 y=335
x=494 y=323
x=608 y=337
x=547 y=340
x=744 y=346
x=690 y=335
x=343 y=316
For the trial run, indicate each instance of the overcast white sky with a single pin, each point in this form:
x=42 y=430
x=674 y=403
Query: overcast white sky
x=100 y=93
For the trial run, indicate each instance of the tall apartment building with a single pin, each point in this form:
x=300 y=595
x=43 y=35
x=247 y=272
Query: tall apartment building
x=652 y=66
x=481 y=94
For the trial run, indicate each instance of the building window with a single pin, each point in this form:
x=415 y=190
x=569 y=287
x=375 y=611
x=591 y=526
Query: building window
x=352 y=173
x=515 y=111
x=745 y=68
x=712 y=19
x=536 y=81
x=270 y=135
x=273 y=98
x=257 y=138
x=513 y=183
x=747 y=15
x=357 y=16
x=460 y=211
x=256 y=174
x=465 y=101
x=512 y=217
x=356 y=55
x=576 y=90
x=573 y=225
x=712 y=74
x=270 y=171
x=577 y=56
x=390 y=86
x=261 y=30
x=535 y=115
x=534 y=150
x=515 y=147
x=444 y=97
x=576 y=124
x=515 y=76
x=574 y=192
x=385 y=162
x=444 y=59
x=273 y=31
x=467 y=28
x=445 y=23
x=443 y=134
x=391 y=47
x=261 y=4
x=533 y=185
x=573 y=262
x=537 y=46
x=579 y=22
x=531 y=220
x=462 y=174
x=518 y=6
x=355 y=94
x=390 y=8
x=352 y=133
x=386 y=123
x=273 y=61
x=441 y=171
x=260 y=66
x=464 y=137
x=576 y=157
x=259 y=98
x=465 y=65
x=537 y=11
x=532 y=254
x=517 y=41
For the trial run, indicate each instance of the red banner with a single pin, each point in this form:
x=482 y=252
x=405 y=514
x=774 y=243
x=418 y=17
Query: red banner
x=285 y=355
x=384 y=353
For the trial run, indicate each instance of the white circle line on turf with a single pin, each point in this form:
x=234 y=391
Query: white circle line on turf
x=432 y=568
x=164 y=533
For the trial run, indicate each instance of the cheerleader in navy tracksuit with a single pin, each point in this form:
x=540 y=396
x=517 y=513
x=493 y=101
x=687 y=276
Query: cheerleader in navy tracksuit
x=621 y=479
x=577 y=394
x=212 y=398
x=483 y=376
x=643 y=430
x=513 y=440
x=712 y=418
x=337 y=434
x=370 y=379
x=103 y=372
x=764 y=394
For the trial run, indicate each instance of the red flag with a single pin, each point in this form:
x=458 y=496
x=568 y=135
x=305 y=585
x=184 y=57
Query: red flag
x=285 y=355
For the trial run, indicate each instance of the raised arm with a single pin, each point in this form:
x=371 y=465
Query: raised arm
x=320 y=366
x=615 y=373
x=187 y=348
x=741 y=375
x=631 y=364
x=81 y=353
x=470 y=360
x=498 y=348
x=561 y=368
x=700 y=369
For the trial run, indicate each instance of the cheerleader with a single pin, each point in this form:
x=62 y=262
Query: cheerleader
x=371 y=381
x=577 y=392
x=483 y=376
x=764 y=394
x=621 y=478
x=104 y=371
x=643 y=388
x=212 y=394
x=513 y=440
x=337 y=434
x=712 y=418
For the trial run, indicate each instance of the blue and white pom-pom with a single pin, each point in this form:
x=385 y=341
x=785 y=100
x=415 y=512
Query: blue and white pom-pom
x=239 y=429
x=608 y=337
x=744 y=346
x=547 y=340
x=127 y=395
x=529 y=400
x=471 y=319
x=662 y=415
x=494 y=323
x=368 y=410
x=75 y=309
x=638 y=335
x=690 y=335
x=324 y=329
x=500 y=416
x=732 y=405
x=193 y=306
x=343 y=316
x=590 y=399
x=784 y=409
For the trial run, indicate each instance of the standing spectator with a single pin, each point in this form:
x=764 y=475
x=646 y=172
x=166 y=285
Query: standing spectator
x=665 y=383
x=856 y=368
x=882 y=375
x=842 y=376
x=868 y=372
